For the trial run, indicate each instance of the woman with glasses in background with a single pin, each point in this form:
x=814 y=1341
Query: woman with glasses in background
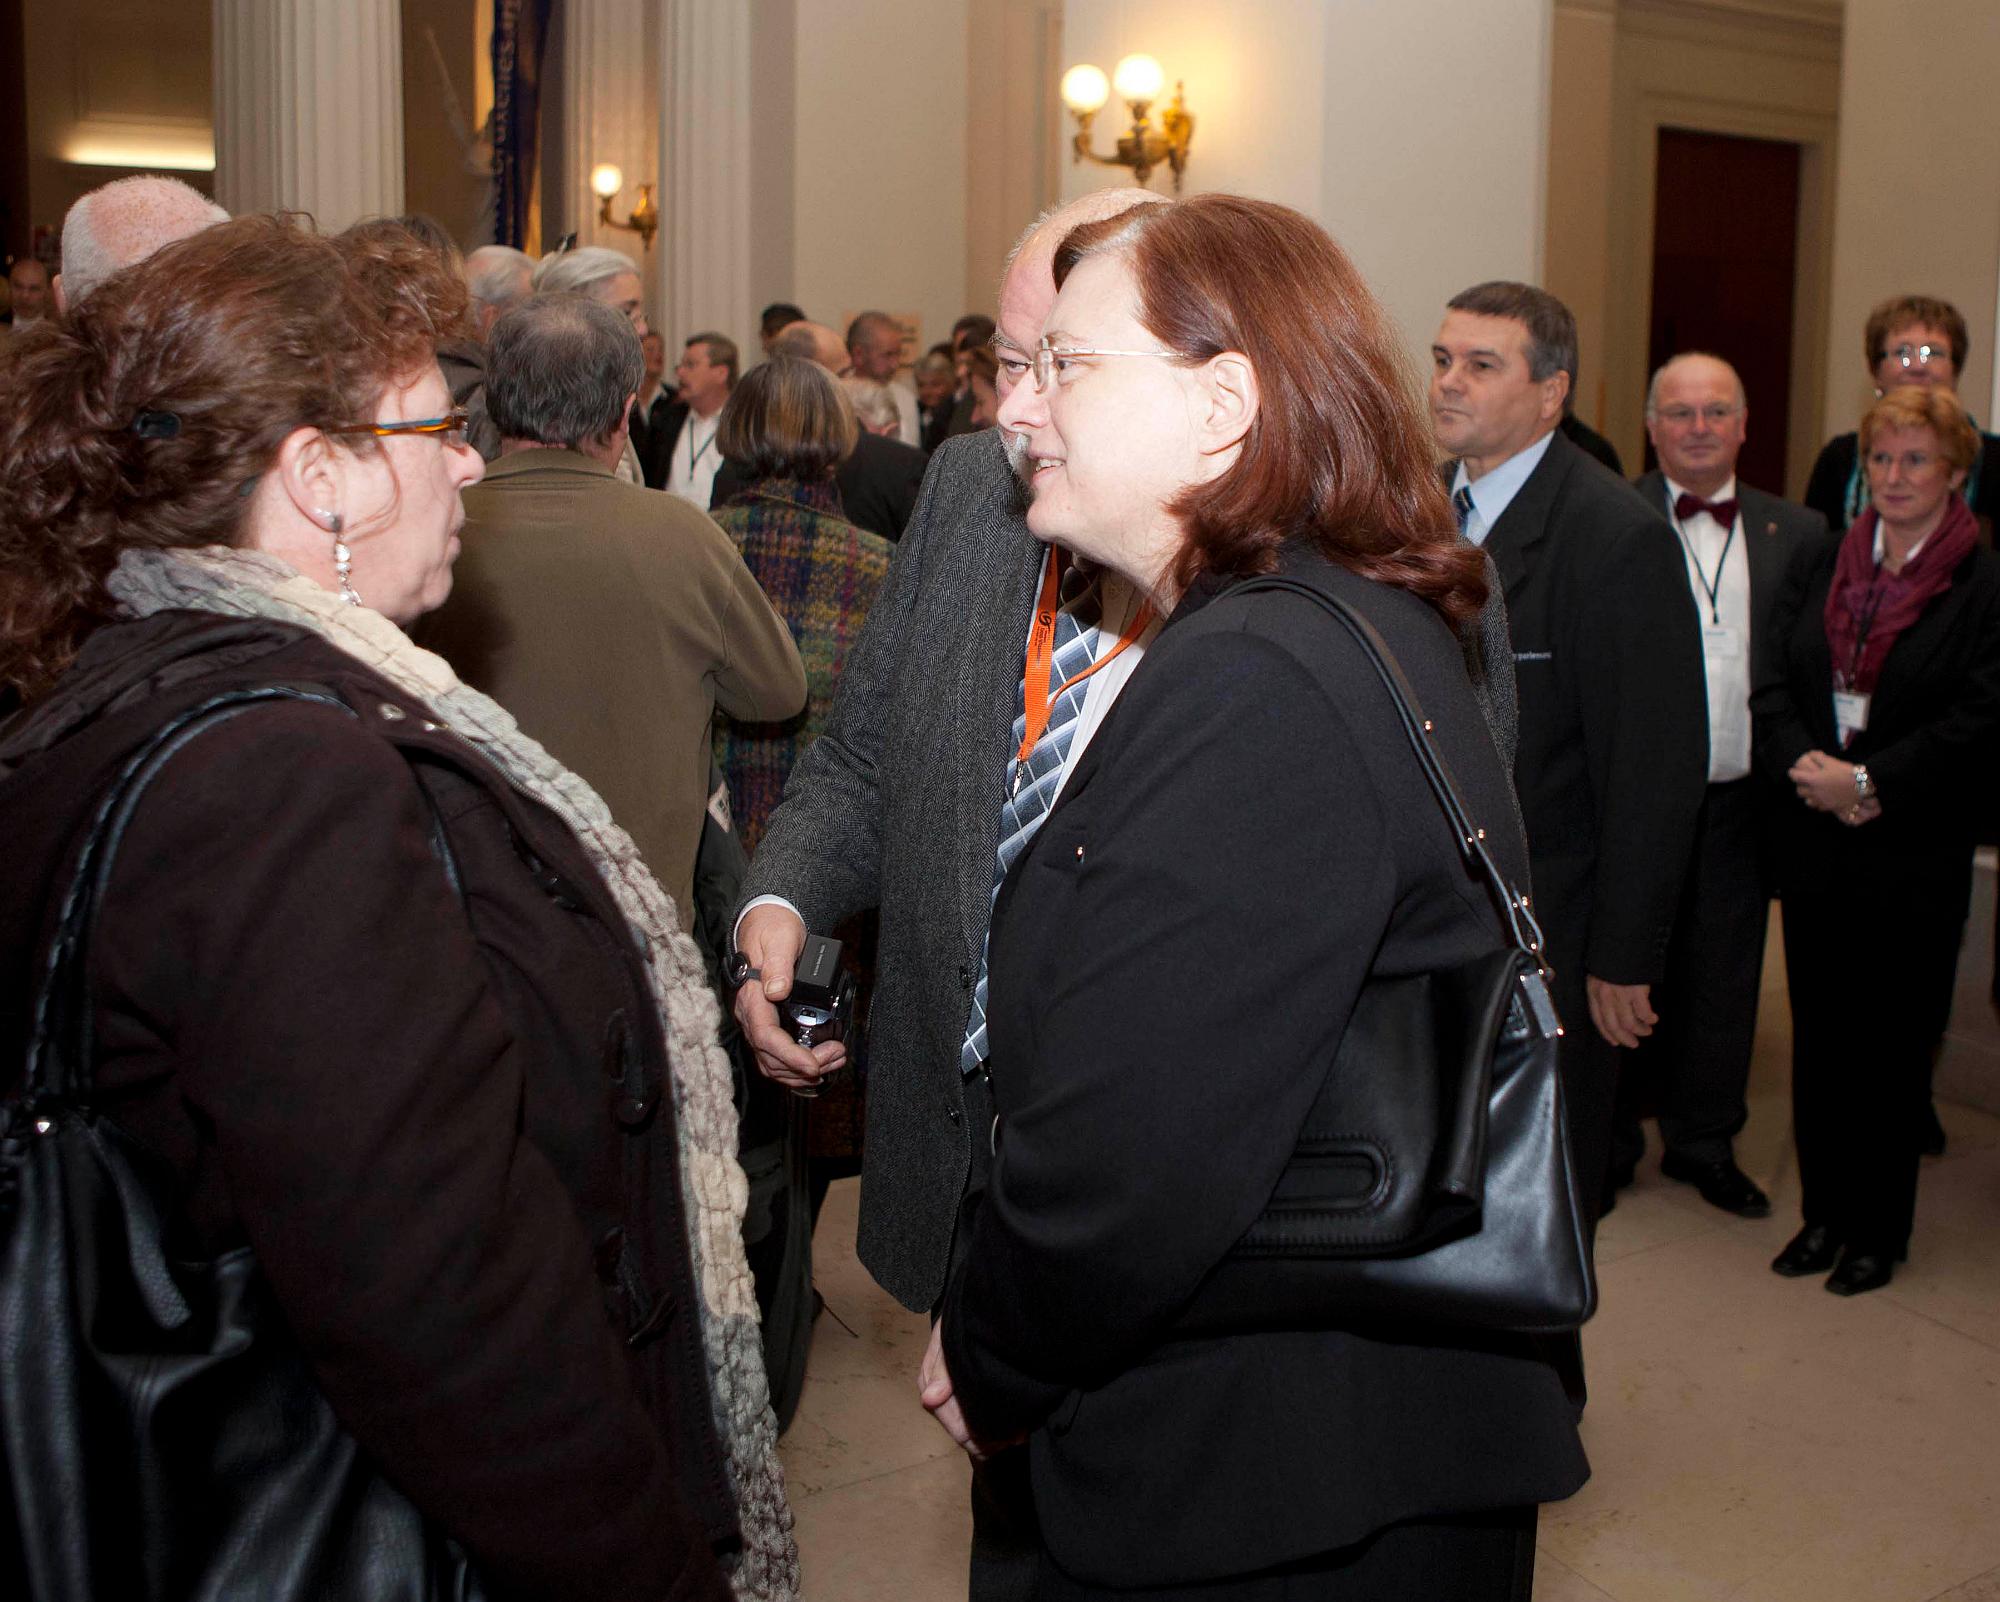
x=1913 y=339
x=375 y=983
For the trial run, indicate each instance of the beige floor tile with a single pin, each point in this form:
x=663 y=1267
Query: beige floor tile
x=901 y=1537
x=1984 y=1589
x=858 y=1416
x=1556 y=1582
x=1755 y=1437
x=1953 y=1275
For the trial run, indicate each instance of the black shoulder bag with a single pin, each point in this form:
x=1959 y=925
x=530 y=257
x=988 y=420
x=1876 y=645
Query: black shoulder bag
x=161 y=1436
x=1432 y=1182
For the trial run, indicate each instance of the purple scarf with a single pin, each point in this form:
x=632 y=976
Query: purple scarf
x=1868 y=607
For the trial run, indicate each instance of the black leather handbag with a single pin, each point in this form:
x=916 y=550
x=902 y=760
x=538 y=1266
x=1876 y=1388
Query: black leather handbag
x=161 y=1436
x=1432 y=1181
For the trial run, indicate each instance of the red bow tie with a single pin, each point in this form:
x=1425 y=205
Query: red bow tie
x=1686 y=505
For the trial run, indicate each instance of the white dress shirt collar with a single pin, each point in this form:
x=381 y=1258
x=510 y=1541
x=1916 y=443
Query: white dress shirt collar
x=1495 y=491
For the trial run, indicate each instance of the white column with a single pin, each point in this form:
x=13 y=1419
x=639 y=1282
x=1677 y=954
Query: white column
x=705 y=167
x=608 y=115
x=309 y=108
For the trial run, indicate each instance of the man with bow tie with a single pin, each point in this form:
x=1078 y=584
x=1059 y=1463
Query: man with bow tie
x=1736 y=543
x=1607 y=668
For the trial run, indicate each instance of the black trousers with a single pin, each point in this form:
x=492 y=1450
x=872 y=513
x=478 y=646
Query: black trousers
x=1865 y=967
x=1589 y=1065
x=1696 y=1064
x=1006 y=1535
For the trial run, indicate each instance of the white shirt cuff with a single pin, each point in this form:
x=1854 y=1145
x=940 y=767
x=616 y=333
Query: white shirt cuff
x=763 y=901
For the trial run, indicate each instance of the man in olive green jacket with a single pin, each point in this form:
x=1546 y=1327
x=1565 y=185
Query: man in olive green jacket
x=610 y=619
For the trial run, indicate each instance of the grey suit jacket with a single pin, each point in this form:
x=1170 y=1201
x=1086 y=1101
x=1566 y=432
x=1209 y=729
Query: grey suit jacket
x=897 y=806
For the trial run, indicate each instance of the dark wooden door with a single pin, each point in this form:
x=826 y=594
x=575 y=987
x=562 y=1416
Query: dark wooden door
x=1725 y=256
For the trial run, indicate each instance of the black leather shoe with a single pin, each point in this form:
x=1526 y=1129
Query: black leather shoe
x=1861 y=1271
x=1721 y=1185
x=1813 y=1250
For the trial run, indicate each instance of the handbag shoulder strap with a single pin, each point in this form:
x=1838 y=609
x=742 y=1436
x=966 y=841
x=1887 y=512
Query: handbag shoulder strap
x=1522 y=929
x=60 y=1046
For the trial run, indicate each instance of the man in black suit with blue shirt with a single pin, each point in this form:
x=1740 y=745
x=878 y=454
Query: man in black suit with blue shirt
x=1612 y=757
x=1736 y=544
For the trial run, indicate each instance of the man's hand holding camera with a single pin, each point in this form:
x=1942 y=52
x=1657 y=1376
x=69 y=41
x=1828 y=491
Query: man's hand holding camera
x=769 y=941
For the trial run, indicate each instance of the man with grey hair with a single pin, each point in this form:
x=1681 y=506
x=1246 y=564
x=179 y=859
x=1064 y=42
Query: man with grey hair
x=1736 y=543
x=123 y=223
x=612 y=621
x=902 y=805
x=611 y=278
x=875 y=351
x=874 y=405
x=500 y=278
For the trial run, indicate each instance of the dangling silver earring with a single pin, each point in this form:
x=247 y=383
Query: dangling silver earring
x=343 y=559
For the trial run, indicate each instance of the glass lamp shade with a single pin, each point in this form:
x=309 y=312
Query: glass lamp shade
x=606 y=180
x=1139 y=78
x=1085 y=89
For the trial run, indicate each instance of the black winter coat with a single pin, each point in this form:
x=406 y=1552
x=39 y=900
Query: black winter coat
x=443 y=1121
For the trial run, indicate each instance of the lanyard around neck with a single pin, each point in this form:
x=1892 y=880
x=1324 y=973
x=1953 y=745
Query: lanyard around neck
x=1712 y=591
x=1038 y=700
x=695 y=456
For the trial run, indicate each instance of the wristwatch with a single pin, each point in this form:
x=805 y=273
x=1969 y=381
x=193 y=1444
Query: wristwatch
x=1864 y=787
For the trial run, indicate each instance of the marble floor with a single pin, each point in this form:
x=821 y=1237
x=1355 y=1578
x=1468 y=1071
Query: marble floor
x=1753 y=1438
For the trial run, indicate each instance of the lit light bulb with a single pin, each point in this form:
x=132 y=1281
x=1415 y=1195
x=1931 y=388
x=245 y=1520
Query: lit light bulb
x=1085 y=88
x=1139 y=78
x=606 y=180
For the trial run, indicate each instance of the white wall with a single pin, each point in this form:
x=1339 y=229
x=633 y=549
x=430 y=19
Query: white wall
x=880 y=159
x=1917 y=211
x=1413 y=130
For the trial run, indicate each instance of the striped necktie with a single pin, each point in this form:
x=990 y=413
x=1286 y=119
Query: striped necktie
x=1461 y=503
x=1032 y=792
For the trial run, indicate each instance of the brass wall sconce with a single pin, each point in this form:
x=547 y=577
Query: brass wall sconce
x=1138 y=80
x=606 y=180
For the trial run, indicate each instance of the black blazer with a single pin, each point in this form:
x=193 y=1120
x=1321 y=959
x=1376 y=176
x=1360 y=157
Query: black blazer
x=1613 y=758
x=654 y=430
x=878 y=484
x=1933 y=728
x=1173 y=962
x=1774 y=532
x=655 y=442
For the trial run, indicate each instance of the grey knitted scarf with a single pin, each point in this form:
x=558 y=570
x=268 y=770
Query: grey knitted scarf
x=713 y=1190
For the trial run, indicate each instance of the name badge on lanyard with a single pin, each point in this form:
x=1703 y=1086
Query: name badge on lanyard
x=1721 y=643
x=1850 y=715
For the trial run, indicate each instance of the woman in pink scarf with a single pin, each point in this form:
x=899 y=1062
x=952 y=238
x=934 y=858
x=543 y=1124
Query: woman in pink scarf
x=1878 y=708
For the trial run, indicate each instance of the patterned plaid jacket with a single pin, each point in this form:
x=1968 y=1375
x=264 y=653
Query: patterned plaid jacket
x=821 y=574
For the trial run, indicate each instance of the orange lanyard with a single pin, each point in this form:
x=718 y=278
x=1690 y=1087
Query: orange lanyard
x=1038 y=699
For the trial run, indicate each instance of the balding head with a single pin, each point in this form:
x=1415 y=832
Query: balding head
x=1696 y=365
x=1028 y=287
x=123 y=223
x=814 y=342
x=1697 y=421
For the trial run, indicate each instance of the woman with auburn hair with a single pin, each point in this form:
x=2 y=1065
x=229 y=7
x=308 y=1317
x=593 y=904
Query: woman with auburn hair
x=1879 y=711
x=414 y=1067
x=1175 y=957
